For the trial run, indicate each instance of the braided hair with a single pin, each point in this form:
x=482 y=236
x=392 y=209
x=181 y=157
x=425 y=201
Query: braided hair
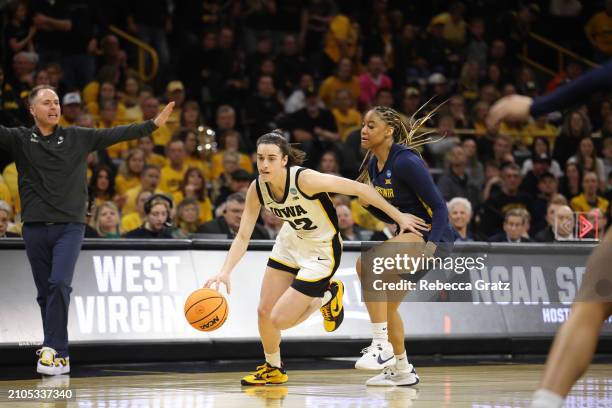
x=408 y=134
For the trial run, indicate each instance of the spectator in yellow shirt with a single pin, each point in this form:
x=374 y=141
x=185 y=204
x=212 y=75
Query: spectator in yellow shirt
x=516 y=131
x=347 y=117
x=453 y=22
x=193 y=186
x=5 y=193
x=362 y=217
x=149 y=181
x=134 y=220
x=341 y=40
x=469 y=80
x=230 y=142
x=175 y=91
x=344 y=79
x=107 y=92
x=161 y=136
x=191 y=116
x=230 y=162
x=71 y=109
x=541 y=128
x=129 y=171
x=187 y=219
x=193 y=157
x=145 y=144
x=589 y=198
x=108 y=119
x=599 y=30
x=108 y=73
x=172 y=173
x=9 y=174
x=479 y=114
x=130 y=98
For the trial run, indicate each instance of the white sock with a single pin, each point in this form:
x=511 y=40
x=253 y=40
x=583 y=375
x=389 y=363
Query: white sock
x=546 y=399
x=401 y=361
x=274 y=359
x=326 y=297
x=379 y=332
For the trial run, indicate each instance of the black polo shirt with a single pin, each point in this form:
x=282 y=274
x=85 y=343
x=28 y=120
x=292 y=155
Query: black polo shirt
x=53 y=169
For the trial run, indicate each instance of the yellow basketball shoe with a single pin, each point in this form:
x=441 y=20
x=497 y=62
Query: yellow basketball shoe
x=333 y=311
x=50 y=364
x=266 y=374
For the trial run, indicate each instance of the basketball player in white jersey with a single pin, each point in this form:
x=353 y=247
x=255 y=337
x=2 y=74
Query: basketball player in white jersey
x=307 y=251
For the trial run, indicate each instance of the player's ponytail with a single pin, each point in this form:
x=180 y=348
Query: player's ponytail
x=409 y=134
x=276 y=137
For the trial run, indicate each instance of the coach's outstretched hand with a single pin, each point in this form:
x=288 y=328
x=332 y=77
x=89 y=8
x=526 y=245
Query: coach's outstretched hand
x=163 y=116
x=515 y=107
x=215 y=282
x=412 y=223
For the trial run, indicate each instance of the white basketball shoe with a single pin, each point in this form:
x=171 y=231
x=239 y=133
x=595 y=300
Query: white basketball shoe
x=391 y=376
x=376 y=356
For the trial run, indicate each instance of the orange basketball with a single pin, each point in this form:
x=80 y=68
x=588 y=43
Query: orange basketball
x=206 y=309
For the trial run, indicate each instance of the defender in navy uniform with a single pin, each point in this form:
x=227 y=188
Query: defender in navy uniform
x=307 y=251
x=399 y=174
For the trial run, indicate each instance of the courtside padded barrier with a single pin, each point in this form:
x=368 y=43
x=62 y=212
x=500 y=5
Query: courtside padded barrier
x=128 y=296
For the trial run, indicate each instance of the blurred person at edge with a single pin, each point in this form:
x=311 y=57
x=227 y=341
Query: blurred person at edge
x=5 y=219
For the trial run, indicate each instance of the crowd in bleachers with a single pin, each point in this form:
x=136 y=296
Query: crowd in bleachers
x=237 y=69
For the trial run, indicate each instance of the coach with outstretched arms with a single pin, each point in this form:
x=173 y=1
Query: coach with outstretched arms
x=51 y=162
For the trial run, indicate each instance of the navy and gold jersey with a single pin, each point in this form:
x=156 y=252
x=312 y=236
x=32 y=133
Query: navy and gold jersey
x=312 y=218
x=406 y=184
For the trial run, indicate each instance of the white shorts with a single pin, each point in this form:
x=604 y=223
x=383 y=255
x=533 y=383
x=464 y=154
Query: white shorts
x=314 y=263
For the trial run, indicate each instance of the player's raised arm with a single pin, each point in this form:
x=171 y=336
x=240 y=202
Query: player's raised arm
x=512 y=107
x=240 y=243
x=520 y=107
x=312 y=182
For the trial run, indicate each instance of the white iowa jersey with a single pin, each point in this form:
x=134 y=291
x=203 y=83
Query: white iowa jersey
x=313 y=218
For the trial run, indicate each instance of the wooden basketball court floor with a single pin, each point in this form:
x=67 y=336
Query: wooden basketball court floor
x=476 y=386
